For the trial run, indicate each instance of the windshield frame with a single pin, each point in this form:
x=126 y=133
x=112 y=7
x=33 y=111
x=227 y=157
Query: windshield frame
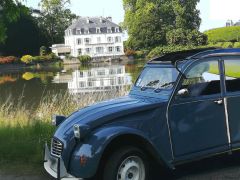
x=164 y=91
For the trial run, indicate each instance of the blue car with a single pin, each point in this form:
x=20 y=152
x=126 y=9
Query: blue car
x=183 y=107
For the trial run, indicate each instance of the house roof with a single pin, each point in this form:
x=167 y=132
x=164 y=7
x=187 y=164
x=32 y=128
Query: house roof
x=94 y=22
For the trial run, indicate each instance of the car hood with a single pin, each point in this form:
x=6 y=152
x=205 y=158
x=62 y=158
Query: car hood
x=106 y=112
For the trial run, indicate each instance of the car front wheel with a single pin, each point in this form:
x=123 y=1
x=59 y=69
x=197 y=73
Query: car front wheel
x=127 y=163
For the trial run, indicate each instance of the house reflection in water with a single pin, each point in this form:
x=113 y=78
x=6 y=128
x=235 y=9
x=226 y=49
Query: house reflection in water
x=98 y=79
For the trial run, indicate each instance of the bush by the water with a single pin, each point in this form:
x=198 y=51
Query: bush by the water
x=84 y=59
x=27 y=59
x=224 y=34
x=8 y=60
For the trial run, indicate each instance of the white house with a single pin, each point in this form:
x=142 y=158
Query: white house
x=93 y=36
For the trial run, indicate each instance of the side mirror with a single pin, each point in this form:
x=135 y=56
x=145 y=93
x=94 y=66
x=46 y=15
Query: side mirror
x=56 y=120
x=183 y=92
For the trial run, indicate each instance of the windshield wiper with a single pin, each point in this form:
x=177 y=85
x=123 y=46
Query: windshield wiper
x=151 y=83
x=158 y=89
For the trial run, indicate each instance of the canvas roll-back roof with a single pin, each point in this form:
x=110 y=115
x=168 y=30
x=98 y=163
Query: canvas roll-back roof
x=195 y=54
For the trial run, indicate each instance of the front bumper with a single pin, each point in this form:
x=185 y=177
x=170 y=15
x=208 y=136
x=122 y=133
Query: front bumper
x=55 y=166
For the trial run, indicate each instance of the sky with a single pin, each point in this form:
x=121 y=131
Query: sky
x=214 y=13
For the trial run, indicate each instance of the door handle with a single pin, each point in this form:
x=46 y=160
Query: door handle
x=219 y=102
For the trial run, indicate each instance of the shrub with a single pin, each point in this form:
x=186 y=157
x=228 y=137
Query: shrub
x=236 y=45
x=225 y=34
x=161 y=50
x=43 y=51
x=84 y=59
x=8 y=60
x=227 y=45
x=27 y=59
x=130 y=52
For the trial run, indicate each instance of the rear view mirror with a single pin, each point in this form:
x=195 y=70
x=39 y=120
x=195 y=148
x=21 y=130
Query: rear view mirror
x=183 y=92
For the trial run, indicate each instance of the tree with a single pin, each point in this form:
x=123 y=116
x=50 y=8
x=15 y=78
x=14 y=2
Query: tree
x=148 y=21
x=23 y=36
x=9 y=12
x=55 y=18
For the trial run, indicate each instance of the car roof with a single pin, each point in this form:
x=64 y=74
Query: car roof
x=194 y=54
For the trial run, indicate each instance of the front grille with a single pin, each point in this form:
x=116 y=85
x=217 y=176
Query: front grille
x=56 y=148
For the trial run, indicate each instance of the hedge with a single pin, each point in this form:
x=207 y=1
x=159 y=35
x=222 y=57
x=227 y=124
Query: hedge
x=225 y=34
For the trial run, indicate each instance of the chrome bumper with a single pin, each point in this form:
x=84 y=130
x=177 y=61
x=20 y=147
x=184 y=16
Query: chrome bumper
x=54 y=166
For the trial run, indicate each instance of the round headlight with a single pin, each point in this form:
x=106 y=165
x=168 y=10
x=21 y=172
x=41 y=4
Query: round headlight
x=76 y=130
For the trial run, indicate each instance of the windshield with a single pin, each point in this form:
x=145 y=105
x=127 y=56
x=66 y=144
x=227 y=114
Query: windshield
x=157 y=78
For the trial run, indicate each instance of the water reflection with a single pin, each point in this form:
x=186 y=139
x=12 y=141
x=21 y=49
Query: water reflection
x=97 y=79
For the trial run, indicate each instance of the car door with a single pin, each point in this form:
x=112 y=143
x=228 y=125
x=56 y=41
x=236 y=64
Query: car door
x=197 y=118
x=232 y=98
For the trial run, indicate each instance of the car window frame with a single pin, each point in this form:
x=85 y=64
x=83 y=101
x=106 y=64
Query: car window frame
x=228 y=93
x=175 y=100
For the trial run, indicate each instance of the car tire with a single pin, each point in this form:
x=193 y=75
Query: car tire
x=127 y=163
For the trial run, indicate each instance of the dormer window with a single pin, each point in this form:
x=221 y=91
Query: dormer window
x=78 y=31
x=109 y=30
x=86 y=31
x=98 y=30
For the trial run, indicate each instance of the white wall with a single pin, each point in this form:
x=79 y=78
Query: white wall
x=72 y=41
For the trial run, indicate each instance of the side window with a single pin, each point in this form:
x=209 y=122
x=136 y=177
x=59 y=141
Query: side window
x=203 y=79
x=232 y=75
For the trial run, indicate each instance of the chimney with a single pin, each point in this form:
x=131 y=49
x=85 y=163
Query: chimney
x=109 y=18
x=101 y=19
x=88 y=20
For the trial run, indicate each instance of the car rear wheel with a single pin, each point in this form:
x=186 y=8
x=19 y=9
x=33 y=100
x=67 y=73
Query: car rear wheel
x=127 y=163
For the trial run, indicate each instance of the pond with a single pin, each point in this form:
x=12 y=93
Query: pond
x=30 y=85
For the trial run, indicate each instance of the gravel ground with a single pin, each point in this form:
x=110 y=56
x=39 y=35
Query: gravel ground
x=221 y=168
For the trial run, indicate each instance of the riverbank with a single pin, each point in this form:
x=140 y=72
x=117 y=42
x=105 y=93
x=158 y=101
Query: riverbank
x=24 y=131
x=5 y=68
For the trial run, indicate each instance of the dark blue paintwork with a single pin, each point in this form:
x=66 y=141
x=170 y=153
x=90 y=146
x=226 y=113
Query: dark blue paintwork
x=175 y=130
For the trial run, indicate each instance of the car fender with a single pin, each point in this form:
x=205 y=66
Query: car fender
x=87 y=155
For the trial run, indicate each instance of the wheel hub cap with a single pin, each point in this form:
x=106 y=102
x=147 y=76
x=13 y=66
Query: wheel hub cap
x=132 y=168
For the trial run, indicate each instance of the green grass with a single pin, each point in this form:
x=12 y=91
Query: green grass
x=224 y=34
x=23 y=131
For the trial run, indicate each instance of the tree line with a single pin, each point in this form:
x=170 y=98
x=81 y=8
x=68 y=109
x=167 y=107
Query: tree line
x=149 y=23
x=22 y=33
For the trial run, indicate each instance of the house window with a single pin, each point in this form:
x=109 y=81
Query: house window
x=98 y=30
x=101 y=72
x=117 y=39
x=87 y=40
x=99 y=49
x=90 y=83
x=112 y=71
x=90 y=73
x=86 y=31
x=88 y=50
x=79 y=41
x=117 y=29
x=109 y=39
x=118 y=49
x=119 y=71
x=78 y=31
x=110 y=49
x=98 y=39
x=82 y=84
x=79 y=52
x=109 y=30
x=81 y=74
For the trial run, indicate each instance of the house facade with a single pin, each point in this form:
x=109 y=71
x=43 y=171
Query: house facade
x=94 y=36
